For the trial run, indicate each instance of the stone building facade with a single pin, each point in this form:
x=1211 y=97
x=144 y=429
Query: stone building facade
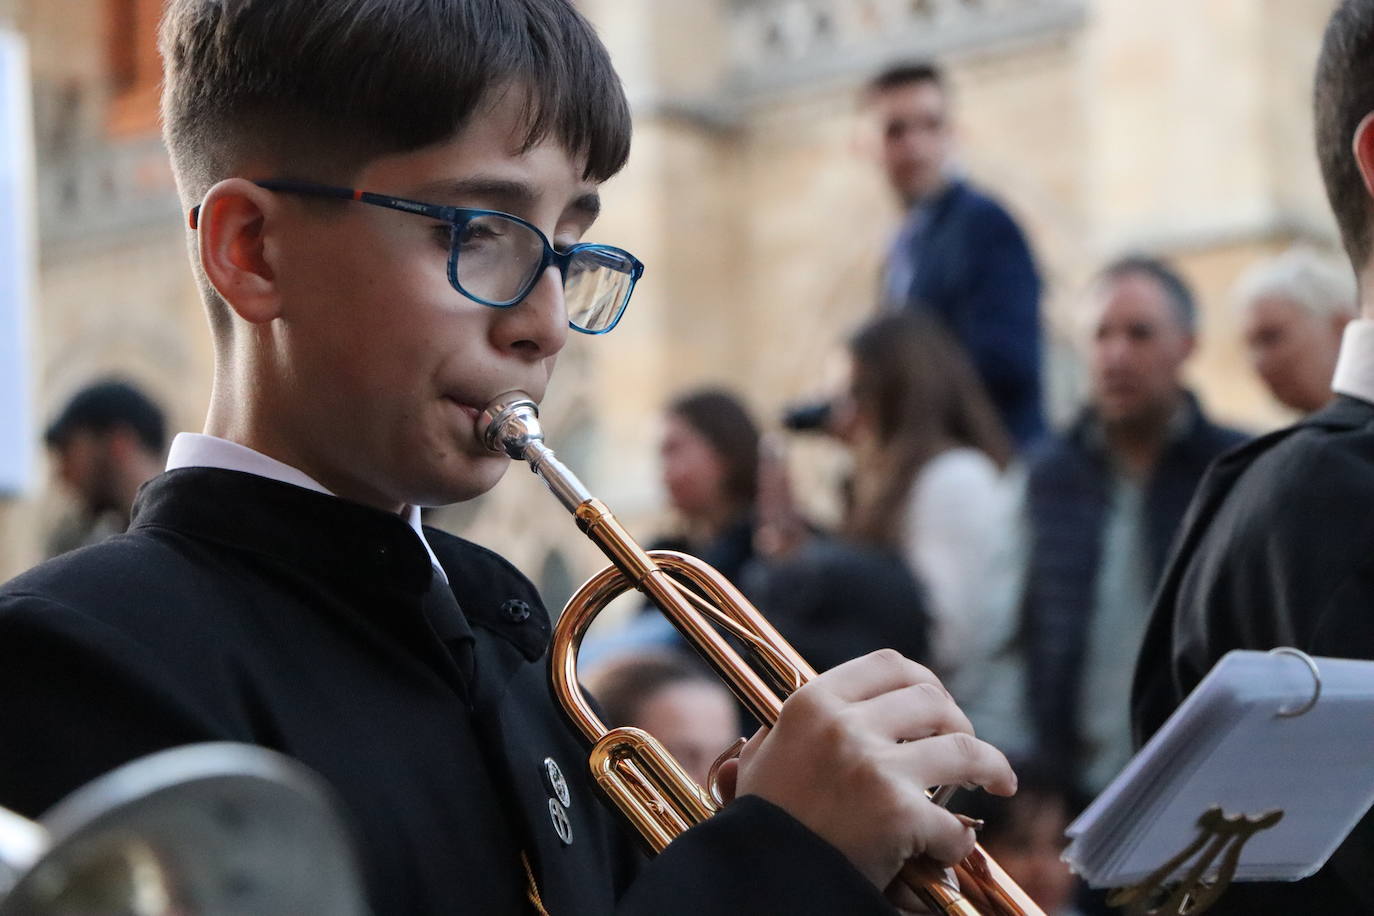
x=1179 y=127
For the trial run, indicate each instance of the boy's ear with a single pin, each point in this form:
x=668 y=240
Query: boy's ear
x=233 y=254
x=1364 y=151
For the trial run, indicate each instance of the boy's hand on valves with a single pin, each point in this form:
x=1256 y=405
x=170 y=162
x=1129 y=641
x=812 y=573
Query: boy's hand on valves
x=855 y=750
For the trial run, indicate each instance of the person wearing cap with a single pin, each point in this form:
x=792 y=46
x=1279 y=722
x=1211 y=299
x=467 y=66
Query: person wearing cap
x=107 y=440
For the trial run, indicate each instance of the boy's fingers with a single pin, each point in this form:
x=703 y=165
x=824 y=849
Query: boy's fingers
x=874 y=674
x=914 y=712
x=947 y=839
x=959 y=758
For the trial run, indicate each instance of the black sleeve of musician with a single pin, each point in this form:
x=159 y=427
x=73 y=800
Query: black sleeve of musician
x=752 y=857
x=80 y=698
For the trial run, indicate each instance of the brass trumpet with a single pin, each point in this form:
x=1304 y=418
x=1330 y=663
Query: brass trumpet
x=650 y=788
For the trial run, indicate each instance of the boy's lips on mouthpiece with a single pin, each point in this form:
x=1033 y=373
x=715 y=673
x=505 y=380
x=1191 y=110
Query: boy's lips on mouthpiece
x=468 y=410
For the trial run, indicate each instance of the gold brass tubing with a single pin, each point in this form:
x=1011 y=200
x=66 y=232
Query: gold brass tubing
x=633 y=796
x=633 y=745
x=651 y=789
x=936 y=892
x=582 y=608
x=597 y=522
x=789 y=666
x=983 y=871
x=640 y=569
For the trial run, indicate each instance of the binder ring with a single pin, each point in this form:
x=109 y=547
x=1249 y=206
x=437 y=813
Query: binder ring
x=1292 y=712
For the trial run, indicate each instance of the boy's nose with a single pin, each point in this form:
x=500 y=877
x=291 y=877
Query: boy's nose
x=537 y=328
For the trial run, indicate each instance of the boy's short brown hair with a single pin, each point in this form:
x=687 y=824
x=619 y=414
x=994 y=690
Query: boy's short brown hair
x=325 y=86
x=340 y=82
x=1343 y=94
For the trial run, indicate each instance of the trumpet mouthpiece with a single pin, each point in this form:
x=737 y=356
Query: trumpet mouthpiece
x=510 y=424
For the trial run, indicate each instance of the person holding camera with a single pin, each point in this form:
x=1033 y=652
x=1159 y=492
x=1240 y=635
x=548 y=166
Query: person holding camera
x=928 y=489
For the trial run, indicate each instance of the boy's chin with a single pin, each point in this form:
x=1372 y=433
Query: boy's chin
x=475 y=477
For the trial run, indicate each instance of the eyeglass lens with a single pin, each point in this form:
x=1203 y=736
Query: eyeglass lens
x=496 y=259
x=595 y=286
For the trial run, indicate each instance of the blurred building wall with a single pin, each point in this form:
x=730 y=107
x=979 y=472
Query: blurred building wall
x=1180 y=127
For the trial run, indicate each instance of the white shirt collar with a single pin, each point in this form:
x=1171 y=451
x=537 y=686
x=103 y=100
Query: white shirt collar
x=1355 y=366
x=197 y=450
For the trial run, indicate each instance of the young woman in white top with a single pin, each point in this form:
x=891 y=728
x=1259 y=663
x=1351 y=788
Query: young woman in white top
x=930 y=457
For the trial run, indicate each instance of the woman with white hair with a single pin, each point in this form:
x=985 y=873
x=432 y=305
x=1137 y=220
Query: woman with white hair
x=1293 y=310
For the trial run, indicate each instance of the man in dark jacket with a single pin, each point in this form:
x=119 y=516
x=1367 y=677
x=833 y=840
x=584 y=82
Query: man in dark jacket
x=1276 y=549
x=105 y=443
x=1103 y=502
x=958 y=252
x=276 y=586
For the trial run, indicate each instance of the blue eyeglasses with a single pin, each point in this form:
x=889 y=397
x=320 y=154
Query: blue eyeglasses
x=496 y=258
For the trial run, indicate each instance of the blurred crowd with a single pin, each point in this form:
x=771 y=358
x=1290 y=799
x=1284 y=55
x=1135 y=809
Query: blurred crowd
x=1015 y=560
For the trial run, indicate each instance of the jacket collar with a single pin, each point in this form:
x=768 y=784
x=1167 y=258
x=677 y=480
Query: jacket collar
x=359 y=549
x=206 y=451
x=329 y=537
x=1344 y=412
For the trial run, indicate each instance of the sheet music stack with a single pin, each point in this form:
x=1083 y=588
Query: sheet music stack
x=1262 y=732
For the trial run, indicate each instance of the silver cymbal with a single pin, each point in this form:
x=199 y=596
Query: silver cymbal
x=205 y=830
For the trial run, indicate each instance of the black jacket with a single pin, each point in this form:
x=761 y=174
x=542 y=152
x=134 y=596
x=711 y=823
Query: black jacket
x=1277 y=550
x=239 y=608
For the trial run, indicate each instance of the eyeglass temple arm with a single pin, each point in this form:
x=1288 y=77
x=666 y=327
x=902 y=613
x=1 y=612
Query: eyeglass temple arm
x=322 y=190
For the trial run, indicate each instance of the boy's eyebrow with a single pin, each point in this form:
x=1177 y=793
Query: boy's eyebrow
x=505 y=193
